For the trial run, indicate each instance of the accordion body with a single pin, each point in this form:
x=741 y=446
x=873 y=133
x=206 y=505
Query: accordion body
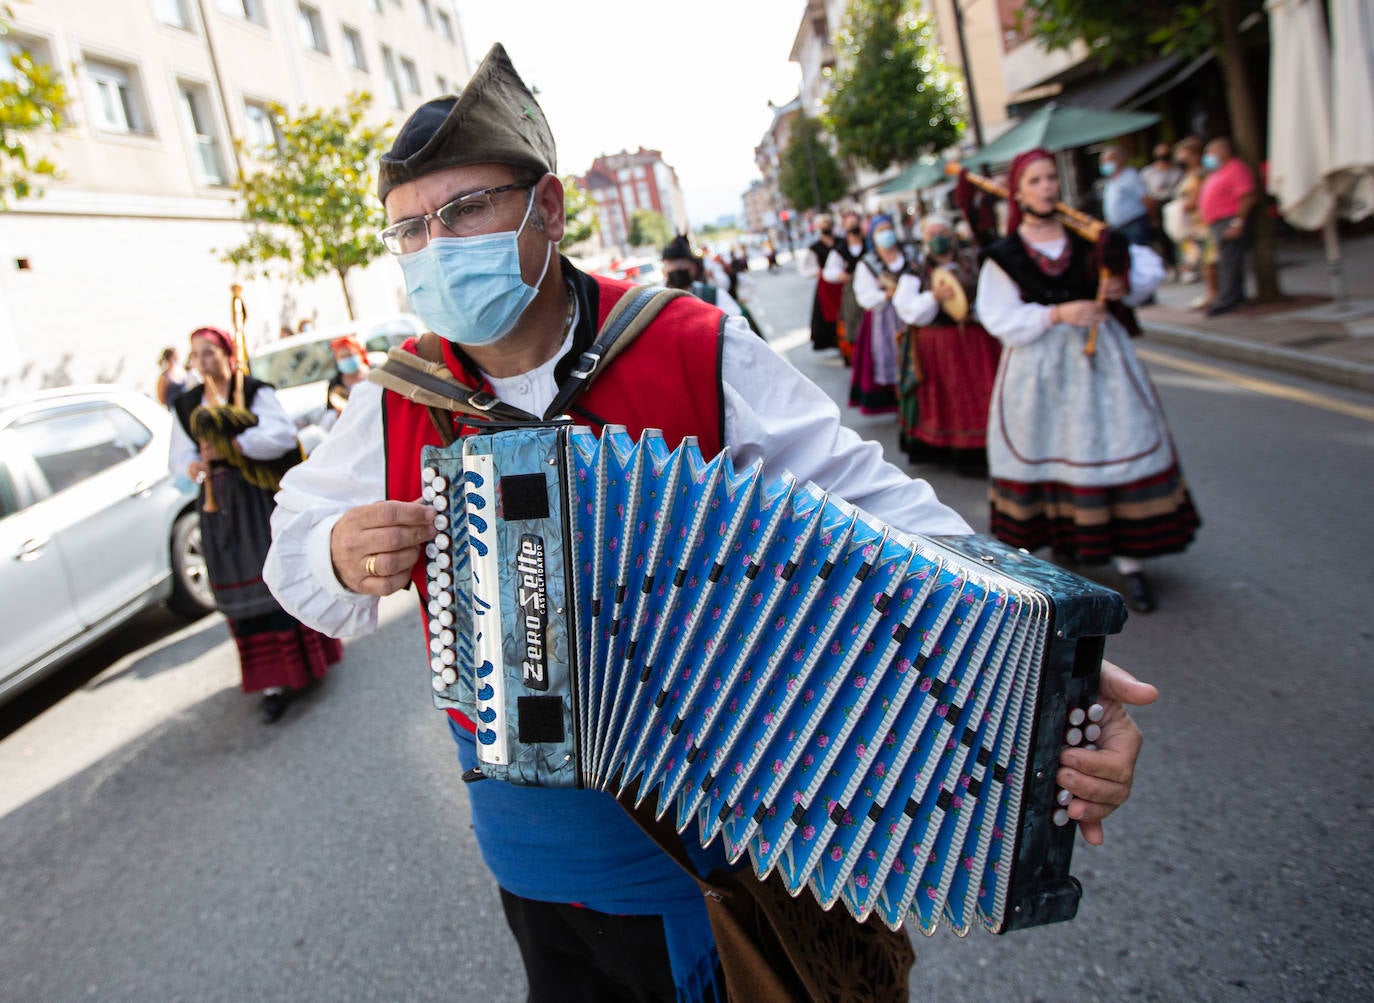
x=875 y=716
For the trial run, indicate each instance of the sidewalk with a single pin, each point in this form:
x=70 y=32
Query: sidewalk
x=1308 y=334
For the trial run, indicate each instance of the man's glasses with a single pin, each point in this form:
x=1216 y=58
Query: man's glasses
x=462 y=217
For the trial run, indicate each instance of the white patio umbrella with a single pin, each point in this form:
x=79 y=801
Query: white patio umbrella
x=1352 y=99
x=1300 y=130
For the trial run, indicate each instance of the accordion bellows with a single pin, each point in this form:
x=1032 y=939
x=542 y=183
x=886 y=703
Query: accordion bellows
x=875 y=716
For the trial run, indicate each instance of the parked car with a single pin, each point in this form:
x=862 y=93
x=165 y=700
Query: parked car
x=301 y=366
x=641 y=271
x=92 y=527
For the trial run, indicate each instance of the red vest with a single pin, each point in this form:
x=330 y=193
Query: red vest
x=668 y=378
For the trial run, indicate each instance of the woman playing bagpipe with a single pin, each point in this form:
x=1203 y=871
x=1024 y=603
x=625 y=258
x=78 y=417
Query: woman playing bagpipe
x=1079 y=452
x=947 y=381
x=233 y=437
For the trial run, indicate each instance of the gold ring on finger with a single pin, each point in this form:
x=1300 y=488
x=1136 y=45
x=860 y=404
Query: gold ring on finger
x=371 y=566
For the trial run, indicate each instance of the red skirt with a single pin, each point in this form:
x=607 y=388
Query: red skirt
x=1146 y=518
x=276 y=650
x=957 y=367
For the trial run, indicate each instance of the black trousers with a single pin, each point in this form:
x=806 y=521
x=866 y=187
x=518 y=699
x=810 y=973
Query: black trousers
x=575 y=955
x=1230 y=265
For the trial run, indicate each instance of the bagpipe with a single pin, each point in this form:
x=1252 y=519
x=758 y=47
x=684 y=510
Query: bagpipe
x=872 y=716
x=1111 y=250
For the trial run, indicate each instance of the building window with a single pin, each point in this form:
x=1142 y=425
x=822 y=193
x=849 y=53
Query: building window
x=200 y=126
x=427 y=12
x=393 y=83
x=312 y=28
x=14 y=45
x=445 y=26
x=262 y=128
x=173 y=12
x=117 y=98
x=442 y=81
x=353 y=46
x=411 y=75
x=376 y=6
x=249 y=10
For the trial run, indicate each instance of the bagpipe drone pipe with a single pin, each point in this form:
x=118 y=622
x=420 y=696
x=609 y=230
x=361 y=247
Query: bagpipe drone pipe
x=876 y=716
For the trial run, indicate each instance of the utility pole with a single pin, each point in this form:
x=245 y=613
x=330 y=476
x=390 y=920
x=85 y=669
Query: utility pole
x=968 y=74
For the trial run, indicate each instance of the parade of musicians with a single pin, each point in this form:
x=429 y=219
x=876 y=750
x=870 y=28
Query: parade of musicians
x=829 y=500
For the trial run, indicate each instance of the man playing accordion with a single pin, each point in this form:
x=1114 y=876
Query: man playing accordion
x=476 y=213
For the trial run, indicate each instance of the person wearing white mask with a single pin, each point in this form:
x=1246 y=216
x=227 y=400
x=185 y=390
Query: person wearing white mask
x=476 y=211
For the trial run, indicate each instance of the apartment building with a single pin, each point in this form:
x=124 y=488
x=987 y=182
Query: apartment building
x=623 y=183
x=121 y=255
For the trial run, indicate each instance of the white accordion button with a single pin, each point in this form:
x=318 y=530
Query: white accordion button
x=445 y=599
x=1092 y=732
x=434 y=608
x=442 y=541
x=445 y=618
x=436 y=664
x=432 y=587
x=443 y=560
x=428 y=474
x=449 y=676
x=447 y=656
x=1096 y=712
x=444 y=579
x=427 y=493
x=440 y=502
x=1074 y=737
x=1077 y=716
x=1061 y=817
x=1063 y=797
x=436 y=645
x=431 y=551
x=438 y=484
x=438 y=683
x=434 y=626
x=441 y=522
x=446 y=638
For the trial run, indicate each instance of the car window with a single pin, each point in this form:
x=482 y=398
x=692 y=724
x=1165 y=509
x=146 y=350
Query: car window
x=9 y=496
x=291 y=367
x=132 y=432
x=72 y=445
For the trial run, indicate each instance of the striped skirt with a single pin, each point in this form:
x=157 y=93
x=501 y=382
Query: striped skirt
x=1090 y=525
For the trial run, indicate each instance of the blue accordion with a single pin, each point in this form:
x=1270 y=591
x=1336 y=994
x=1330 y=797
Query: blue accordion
x=875 y=716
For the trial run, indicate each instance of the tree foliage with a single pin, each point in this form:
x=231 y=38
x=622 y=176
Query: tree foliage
x=32 y=99
x=808 y=173
x=311 y=204
x=894 y=99
x=649 y=229
x=579 y=210
x=1129 y=33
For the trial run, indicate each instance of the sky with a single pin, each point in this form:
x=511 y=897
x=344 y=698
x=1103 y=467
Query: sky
x=691 y=79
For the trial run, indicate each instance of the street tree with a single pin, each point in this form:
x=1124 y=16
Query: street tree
x=808 y=173
x=579 y=209
x=32 y=101
x=1133 y=33
x=649 y=229
x=310 y=201
x=894 y=98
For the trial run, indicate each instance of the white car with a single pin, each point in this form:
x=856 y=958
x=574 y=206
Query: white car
x=92 y=528
x=301 y=366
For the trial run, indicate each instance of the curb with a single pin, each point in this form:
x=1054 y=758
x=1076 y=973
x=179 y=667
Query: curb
x=1337 y=371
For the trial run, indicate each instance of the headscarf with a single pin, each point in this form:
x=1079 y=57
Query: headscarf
x=877 y=221
x=349 y=342
x=1018 y=166
x=220 y=338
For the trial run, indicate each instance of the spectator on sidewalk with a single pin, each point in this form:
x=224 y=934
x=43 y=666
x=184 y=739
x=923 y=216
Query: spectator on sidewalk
x=1124 y=197
x=1185 y=223
x=172 y=380
x=825 y=306
x=1161 y=177
x=1227 y=196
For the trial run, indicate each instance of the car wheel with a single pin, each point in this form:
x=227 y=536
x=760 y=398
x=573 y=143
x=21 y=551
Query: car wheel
x=191 y=595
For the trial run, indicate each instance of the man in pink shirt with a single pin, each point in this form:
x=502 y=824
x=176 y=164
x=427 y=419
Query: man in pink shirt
x=1227 y=196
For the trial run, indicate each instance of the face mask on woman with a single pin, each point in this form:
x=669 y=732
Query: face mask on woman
x=470 y=290
x=1211 y=161
x=348 y=365
x=885 y=239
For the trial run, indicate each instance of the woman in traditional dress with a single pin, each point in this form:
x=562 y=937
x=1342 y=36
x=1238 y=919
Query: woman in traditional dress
x=873 y=384
x=1079 y=452
x=945 y=414
x=237 y=455
x=351 y=362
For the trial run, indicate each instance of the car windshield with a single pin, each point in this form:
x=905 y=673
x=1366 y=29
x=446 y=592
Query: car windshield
x=290 y=367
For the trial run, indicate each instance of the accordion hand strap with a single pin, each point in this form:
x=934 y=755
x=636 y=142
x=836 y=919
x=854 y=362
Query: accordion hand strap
x=775 y=948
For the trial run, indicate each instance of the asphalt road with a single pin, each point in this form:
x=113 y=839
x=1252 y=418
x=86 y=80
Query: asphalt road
x=158 y=843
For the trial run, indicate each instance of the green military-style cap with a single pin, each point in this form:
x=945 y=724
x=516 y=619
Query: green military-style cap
x=495 y=120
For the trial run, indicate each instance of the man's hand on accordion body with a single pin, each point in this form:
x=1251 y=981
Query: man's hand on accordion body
x=373 y=547
x=1100 y=779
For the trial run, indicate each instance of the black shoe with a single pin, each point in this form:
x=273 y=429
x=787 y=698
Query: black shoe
x=273 y=707
x=1138 y=593
x=1221 y=308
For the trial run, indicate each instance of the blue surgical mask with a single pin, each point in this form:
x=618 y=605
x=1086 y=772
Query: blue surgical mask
x=348 y=365
x=469 y=290
x=1210 y=161
x=885 y=239
x=1107 y=168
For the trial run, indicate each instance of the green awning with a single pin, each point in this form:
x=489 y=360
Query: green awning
x=919 y=176
x=1061 y=127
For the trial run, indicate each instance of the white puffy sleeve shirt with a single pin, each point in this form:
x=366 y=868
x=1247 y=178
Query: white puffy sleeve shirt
x=772 y=414
x=273 y=435
x=1013 y=321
